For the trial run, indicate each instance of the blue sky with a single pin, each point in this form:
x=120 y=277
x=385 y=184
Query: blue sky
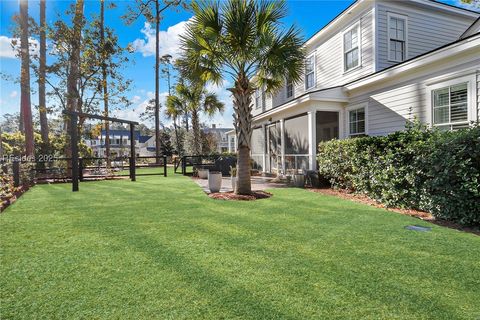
x=310 y=16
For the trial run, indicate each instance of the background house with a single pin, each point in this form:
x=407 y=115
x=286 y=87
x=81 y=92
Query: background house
x=120 y=144
x=221 y=137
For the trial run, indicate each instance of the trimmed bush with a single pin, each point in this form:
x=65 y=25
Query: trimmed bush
x=419 y=168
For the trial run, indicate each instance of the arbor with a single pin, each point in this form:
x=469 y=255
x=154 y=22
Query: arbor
x=242 y=39
x=25 y=103
x=192 y=97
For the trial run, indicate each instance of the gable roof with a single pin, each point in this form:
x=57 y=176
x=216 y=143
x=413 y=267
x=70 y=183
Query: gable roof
x=474 y=28
x=143 y=139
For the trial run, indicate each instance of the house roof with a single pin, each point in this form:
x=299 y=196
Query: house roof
x=474 y=28
x=143 y=139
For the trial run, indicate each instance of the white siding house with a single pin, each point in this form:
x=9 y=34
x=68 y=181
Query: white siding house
x=374 y=67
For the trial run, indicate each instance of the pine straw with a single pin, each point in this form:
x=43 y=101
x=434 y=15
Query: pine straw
x=255 y=195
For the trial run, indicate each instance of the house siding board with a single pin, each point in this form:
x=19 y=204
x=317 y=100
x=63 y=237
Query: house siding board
x=478 y=95
x=424 y=33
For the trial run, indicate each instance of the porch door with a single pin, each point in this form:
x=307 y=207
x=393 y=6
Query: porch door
x=273 y=147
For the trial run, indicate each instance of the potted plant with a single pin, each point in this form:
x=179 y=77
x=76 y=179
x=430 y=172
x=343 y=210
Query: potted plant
x=298 y=179
x=214 y=181
x=233 y=177
x=202 y=173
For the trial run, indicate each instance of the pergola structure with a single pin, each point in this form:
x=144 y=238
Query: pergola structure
x=74 y=115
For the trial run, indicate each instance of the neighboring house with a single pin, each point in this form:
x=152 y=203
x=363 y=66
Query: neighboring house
x=221 y=137
x=232 y=141
x=374 y=67
x=120 y=144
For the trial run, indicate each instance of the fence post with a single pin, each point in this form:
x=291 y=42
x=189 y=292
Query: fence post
x=164 y=165
x=80 y=169
x=132 y=152
x=184 y=165
x=16 y=173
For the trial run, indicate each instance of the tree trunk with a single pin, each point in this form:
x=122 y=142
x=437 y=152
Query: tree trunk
x=196 y=133
x=104 y=81
x=42 y=106
x=157 y=81
x=186 y=122
x=242 y=106
x=176 y=135
x=73 y=96
x=25 y=103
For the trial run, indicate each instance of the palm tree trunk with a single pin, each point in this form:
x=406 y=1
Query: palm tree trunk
x=176 y=134
x=104 y=82
x=242 y=106
x=25 y=103
x=196 y=133
x=157 y=81
x=41 y=79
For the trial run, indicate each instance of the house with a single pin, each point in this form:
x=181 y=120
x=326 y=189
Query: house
x=374 y=67
x=120 y=144
x=221 y=137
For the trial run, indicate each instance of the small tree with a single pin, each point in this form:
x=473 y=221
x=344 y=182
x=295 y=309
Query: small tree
x=242 y=39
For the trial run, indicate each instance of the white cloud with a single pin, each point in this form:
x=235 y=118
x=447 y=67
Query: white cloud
x=169 y=40
x=136 y=99
x=133 y=113
x=7 y=51
x=13 y=94
x=224 y=120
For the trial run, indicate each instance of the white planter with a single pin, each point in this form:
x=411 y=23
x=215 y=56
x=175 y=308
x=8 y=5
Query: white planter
x=298 y=180
x=203 y=173
x=234 y=183
x=214 y=181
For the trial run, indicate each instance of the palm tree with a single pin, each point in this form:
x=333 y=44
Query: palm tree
x=173 y=112
x=242 y=39
x=193 y=98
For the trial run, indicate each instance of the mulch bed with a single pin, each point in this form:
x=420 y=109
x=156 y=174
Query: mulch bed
x=255 y=195
x=345 y=194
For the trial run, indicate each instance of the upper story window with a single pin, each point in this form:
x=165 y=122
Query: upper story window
x=257 y=99
x=310 y=71
x=357 y=121
x=450 y=106
x=264 y=100
x=289 y=85
x=351 y=47
x=397 y=37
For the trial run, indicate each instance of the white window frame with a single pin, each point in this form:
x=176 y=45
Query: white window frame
x=288 y=83
x=405 y=19
x=258 y=101
x=314 y=71
x=347 y=119
x=471 y=81
x=359 y=37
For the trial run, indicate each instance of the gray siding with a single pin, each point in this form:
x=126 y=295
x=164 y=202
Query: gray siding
x=478 y=95
x=426 y=31
x=329 y=70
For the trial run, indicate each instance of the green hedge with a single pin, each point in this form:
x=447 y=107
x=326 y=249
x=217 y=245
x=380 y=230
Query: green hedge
x=430 y=170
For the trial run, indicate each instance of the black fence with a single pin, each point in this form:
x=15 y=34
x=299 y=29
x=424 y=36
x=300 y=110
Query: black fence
x=89 y=168
x=219 y=163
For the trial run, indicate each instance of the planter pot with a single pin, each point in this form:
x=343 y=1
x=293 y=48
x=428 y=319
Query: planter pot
x=214 y=181
x=234 y=183
x=203 y=173
x=298 y=180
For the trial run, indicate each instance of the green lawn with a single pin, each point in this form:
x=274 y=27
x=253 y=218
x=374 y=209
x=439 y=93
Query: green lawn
x=160 y=248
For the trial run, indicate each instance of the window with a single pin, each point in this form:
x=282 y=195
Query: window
x=257 y=99
x=356 y=122
x=450 y=107
x=397 y=38
x=351 y=47
x=264 y=102
x=310 y=72
x=289 y=84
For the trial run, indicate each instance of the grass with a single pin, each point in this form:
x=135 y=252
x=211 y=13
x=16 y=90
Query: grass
x=159 y=248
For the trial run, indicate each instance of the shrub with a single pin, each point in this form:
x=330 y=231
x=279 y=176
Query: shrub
x=419 y=168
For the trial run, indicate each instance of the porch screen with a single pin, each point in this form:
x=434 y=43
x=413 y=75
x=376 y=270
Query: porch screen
x=296 y=135
x=258 y=141
x=274 y=139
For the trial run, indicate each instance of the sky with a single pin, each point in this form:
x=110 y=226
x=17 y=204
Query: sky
x=308 y=15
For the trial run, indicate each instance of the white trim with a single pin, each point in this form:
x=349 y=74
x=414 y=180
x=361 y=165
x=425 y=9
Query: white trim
x=405 y=19
x=313 y=54
x=471 y=81
x=357 y=25
x=364 y=106
x=374 y=37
